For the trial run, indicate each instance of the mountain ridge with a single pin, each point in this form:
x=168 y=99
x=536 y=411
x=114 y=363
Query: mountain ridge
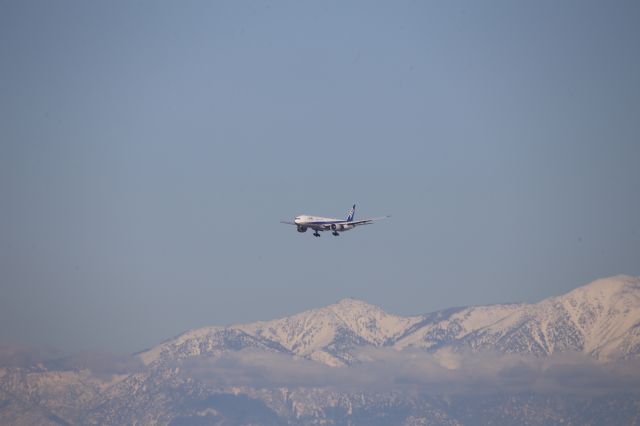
x=573 y=358
x=587 y=319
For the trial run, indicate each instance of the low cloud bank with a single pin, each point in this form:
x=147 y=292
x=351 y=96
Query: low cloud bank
x=101 y=363
x=373 y=369
x=443 y=373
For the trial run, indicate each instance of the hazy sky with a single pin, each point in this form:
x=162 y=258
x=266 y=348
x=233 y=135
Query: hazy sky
x=148 y=151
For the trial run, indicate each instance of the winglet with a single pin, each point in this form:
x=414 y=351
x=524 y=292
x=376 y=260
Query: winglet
x=351 y=213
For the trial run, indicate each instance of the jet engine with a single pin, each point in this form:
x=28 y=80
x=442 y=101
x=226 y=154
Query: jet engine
x=337 y=227
x=302 y=229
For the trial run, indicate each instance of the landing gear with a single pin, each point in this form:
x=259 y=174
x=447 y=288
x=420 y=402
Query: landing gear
x=316 y=234
x=335 y=233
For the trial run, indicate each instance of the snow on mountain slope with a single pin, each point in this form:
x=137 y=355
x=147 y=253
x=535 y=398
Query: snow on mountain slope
x=207 y=341
x=605 y=313
x=589 y=319
x=324 y=335
x=601 y=319
x=444 y=327
x=333 y=328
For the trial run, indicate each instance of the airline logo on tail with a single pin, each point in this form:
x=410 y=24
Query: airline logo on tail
x=350 y=213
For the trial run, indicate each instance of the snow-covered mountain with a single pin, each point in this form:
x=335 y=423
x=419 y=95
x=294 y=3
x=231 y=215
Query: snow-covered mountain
x=601 y=319
x=324 y=335
x=338 y=365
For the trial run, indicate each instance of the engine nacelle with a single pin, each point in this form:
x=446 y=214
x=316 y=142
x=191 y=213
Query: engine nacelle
x=338 y=227
x=302 y=229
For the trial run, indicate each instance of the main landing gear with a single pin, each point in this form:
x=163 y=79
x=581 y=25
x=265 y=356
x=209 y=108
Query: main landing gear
x=335 y=233
x=316 y=234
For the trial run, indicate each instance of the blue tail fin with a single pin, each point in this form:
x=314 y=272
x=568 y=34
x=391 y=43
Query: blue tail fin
x=350 y=213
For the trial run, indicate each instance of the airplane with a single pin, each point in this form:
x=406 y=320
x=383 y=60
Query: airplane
x=303 y=222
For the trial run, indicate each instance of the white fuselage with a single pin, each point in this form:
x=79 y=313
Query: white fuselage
x=322 y=223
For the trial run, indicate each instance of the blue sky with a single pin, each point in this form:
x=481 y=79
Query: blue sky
x=148 y=151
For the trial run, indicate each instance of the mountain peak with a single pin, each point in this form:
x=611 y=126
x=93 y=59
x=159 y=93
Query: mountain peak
x=353 y=303
x=607 y=287
x=617 y=281
x=600 y=318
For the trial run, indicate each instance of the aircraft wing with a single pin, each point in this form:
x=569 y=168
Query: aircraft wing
x=327 y=226
x=357 y=222
x=364 y=221
x=352 y=223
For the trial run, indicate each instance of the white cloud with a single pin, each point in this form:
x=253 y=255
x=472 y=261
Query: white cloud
x=443 y=373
